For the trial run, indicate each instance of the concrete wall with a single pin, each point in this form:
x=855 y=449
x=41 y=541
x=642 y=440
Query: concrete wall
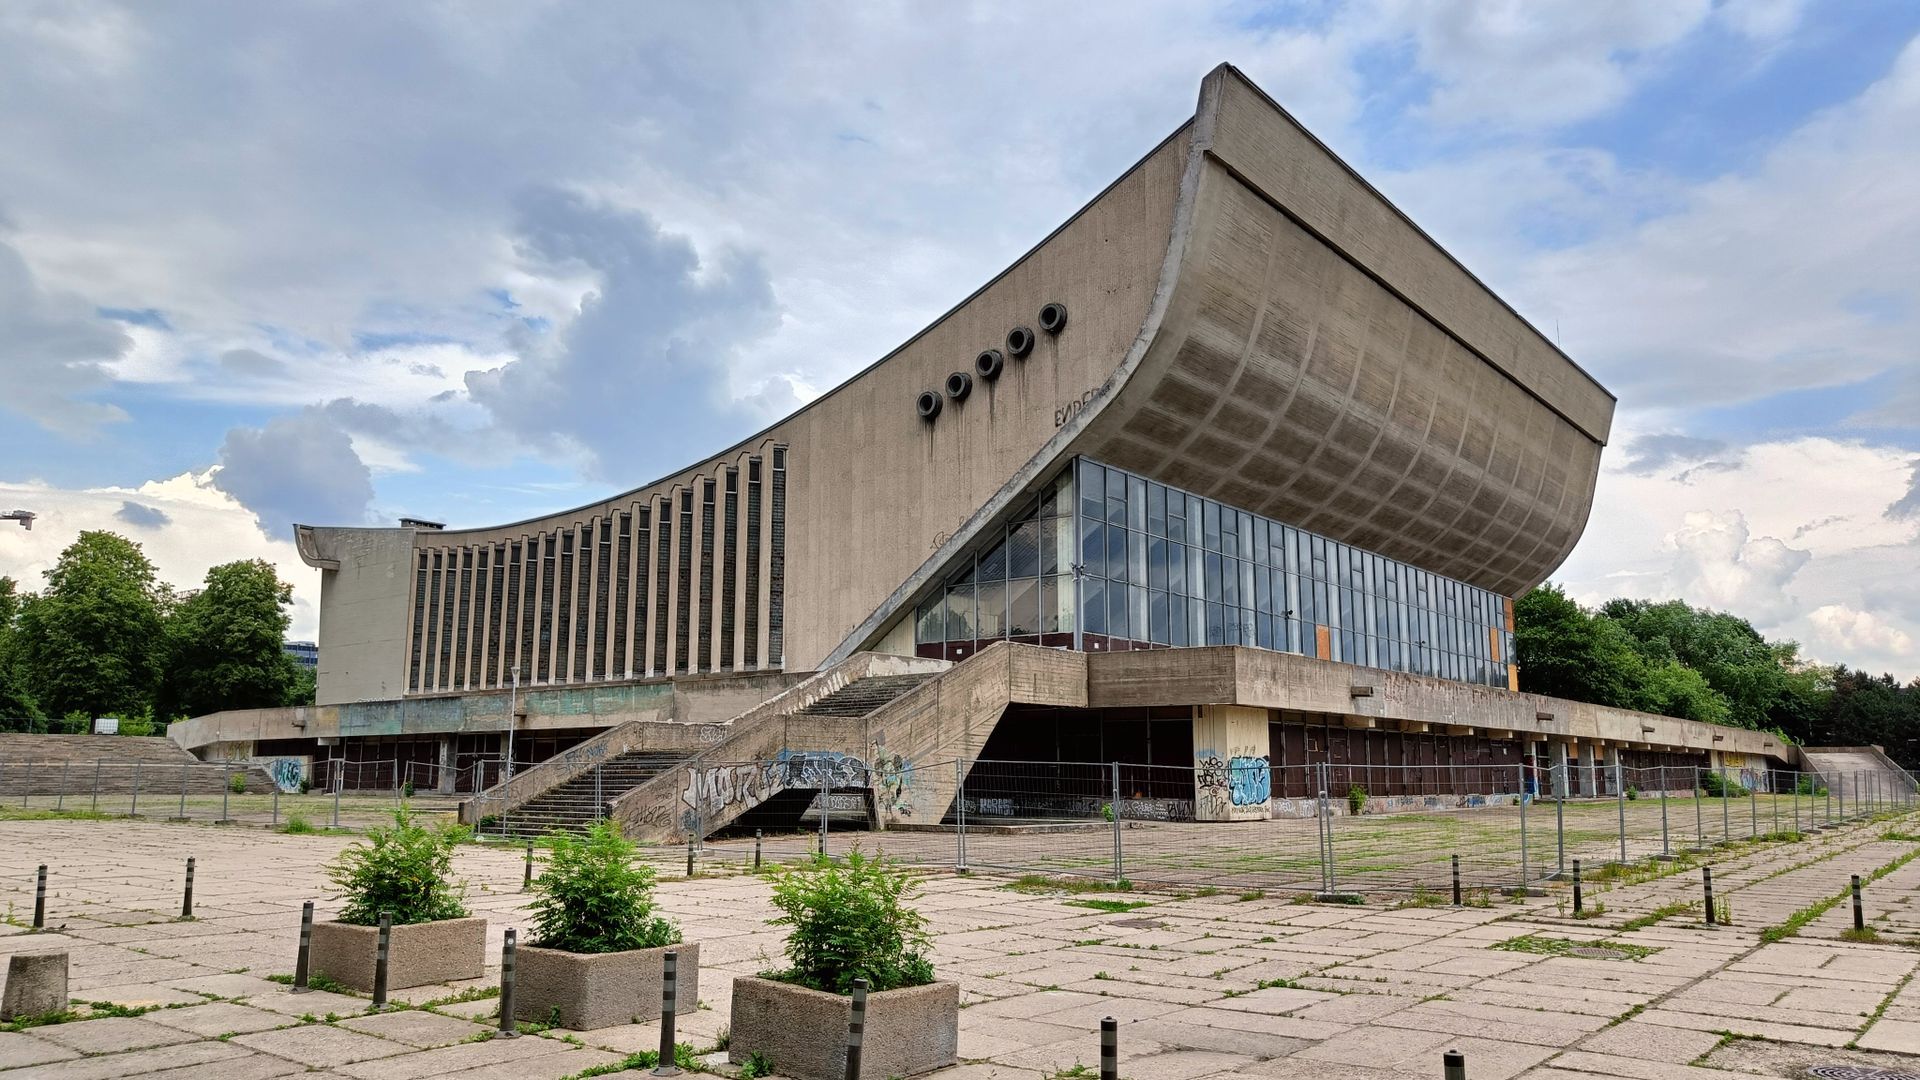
x=363 y=614
x=709 y=699
x=1233 y=776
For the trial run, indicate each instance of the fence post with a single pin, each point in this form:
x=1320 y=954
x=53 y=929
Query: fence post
x=1119 y=864
x=1526 y=878
x=1840 y=793
x=26 y=782
x=276 y=804
x=1560 y=822
x=598 y=807
x=96 y=785
x=1666 y=845
x=1620 y=796
x=339 y=778
x=185 y=774
x=1726 y=824
x=1326 y=777
x=61 y=802
x=1699 y=813
x=960 y=814
x=826 y=794
x=1753 y=813
x=1796 y=803
x=134 y=810
x=226 y=785
x=1774 y=798
x=1321 y=820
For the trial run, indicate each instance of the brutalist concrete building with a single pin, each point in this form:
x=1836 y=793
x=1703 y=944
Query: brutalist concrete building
x=1236 y=464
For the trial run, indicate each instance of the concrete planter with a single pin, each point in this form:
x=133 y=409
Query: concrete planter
x=802 y=1033
x=417 y=954
x=597 y=990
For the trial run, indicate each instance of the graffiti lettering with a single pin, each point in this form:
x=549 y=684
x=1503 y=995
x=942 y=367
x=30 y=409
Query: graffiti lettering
x=1072 y=408
x=1252 y=781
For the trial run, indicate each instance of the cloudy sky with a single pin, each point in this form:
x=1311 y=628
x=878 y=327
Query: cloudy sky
x=339 y=262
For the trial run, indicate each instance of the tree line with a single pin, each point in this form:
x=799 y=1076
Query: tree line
x=105 y=637
x=1677 y=660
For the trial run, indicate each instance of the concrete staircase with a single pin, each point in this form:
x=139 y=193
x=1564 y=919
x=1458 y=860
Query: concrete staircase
x=865 y=696
x=1855 y=772
x=112 y=765
x=581 y=800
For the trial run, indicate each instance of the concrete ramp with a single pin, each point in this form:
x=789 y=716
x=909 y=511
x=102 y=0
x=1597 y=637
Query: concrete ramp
x=1855 y=772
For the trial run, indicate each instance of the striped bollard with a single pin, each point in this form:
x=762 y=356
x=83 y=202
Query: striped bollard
x=1109 y=1049
x=305 y=954
x=186 y=901
x=1578 y=907
x=40 y=899
x=669 y=1010
x=856 y=1028
x=1706 y=883
x=1454 y=1064
x=380 y=961
x=507 y=1028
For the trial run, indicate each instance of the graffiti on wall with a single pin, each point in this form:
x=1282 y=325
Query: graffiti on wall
x=719 y=791
x=1250 y=781
x=892 y=781
x=1230 y=786
x=1211 y=780
x=287 y=772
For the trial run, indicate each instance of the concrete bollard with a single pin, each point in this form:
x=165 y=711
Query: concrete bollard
x=305 y=955
x=669 y=1010
x=526 y=876
x=381 y=949
x=856 y=1028
x=756 y=849
x=508 y=1030
x=36 y=985
x=1706 y=883
x=40 y=899
x=1109 y=1049
x=1456 y=880
x=1454 y=1064
x=1859 y=916
x=689 y=856
x=186 y=901
x=1578 y=906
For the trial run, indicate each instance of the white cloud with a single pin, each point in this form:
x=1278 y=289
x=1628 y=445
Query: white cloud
x=205 y=527
x=1721 y=565
x=54 y=350
x=1851 y=633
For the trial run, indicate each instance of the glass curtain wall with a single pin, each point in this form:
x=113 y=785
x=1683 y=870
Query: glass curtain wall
x=1157 y=567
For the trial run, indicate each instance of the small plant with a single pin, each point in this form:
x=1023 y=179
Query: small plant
x=298 y=826
x=1717 y=786
x=596 y=897
x=1809 y=785
x=1106 y=811
x=306 y=785
x=1632 y=793
x=756 y=1066
x=405 y=869
x=1356 y=800
x=406 y=790
x=237 y=783
x=849 y=920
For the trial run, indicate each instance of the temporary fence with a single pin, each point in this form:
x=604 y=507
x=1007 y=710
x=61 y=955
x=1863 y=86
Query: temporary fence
x=1325 y=828
x=223 y=792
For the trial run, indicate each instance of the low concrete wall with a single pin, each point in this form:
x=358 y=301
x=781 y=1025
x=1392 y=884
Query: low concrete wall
x=697 y=699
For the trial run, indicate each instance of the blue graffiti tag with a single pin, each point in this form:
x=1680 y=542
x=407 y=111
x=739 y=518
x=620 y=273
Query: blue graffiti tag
x=1251 y=780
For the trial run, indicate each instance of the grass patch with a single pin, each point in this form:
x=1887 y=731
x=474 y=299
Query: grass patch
x=1041 y=883
x=1864 y=935
x=1798 y=921
x=1111 y=907
x=1542 y=945
x=1664 y=911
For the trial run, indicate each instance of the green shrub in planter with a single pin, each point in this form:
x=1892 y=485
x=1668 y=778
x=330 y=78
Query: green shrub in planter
x=594 y=897
x=405 y=868
x=849 y=920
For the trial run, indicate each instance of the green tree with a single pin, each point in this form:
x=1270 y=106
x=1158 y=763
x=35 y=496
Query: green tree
x=224 y=644
x=1740 y=665
x=90 y=641
x=1566 y=651
x=18 y=709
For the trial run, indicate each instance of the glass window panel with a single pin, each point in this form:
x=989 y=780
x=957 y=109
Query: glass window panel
x=990 y=603
x=1176 y=515
x=1176 y=620
x=1023 y=607
x=960 y=621
x=1047 y=544
x=1156 y=510
x=1177 y=568
x=1023 y=550
x=993 y=563
x=1196 y=620
x=1093 y=609
x=1196 y=571
x=1264 y=626
x=964 y=572
x=1156 y=562
x=1093 y=490
x=1210 y=525
x=1116 y=609
x=1157 y=619
x=1056 y=605
x=1211 y=580
x=1137 y=616
x=1263 y=589
x=1137 y=558
x=1136 y=504
x=1116 y=553
x=1116 y=497
x=1230 y=581
x=1194 y=516
x=1247 y=549
x=1262 y=552
x=1093 y=548
x=1215 y=630
x=930 y=622
x=1246 y=584
x=1229 y=533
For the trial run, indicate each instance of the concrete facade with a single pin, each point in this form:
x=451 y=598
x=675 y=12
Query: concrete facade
x=1245 y=319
